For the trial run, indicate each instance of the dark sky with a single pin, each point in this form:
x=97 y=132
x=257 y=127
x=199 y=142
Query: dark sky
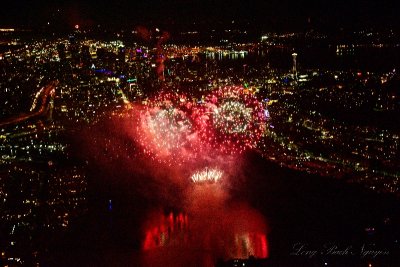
x=268 y=14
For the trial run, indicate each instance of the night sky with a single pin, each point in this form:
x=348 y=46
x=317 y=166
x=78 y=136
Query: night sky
x=269 y=14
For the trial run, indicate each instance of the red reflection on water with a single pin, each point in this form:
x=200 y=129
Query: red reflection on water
x=174 y=231
x=170 y=229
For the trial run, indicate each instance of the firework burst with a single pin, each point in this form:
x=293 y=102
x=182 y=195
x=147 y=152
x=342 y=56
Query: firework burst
x=165 y=130
x=231 y=120
x=207 y=175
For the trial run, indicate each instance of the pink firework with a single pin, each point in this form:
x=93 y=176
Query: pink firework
x=165 y=130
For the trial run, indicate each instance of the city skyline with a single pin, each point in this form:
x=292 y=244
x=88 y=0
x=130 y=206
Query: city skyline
x=156 y=140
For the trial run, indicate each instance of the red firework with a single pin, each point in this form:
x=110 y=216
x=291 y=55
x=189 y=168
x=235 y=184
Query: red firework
x=231 y=119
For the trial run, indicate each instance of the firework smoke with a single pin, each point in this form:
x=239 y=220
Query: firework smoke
x=214 y=227
x=195 y=159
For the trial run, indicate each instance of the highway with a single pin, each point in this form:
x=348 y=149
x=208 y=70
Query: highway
x=46 y=94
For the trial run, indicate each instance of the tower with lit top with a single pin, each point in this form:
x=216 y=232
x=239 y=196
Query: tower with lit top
x=294 y=55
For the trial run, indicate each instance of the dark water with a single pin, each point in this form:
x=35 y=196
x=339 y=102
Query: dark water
x=374 y=59
x=358 y=58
